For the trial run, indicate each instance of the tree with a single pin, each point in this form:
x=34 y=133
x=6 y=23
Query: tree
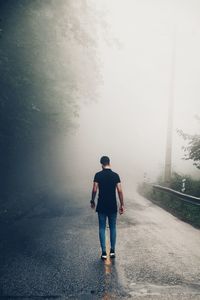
x=192 y=150
x=49 y=65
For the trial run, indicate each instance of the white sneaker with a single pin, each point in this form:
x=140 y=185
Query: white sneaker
x=112 y=253
x=103 y=255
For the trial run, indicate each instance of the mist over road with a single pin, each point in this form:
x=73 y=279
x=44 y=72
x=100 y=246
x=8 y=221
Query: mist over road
x=53 y=252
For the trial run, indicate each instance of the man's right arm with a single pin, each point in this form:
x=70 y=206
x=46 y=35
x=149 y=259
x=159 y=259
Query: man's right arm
x=121 y=198
x=94 y=191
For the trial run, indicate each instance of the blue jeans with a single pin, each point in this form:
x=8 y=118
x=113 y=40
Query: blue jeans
x=102 y=228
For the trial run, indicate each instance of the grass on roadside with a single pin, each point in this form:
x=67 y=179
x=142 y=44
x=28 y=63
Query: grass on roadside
x=184 y=211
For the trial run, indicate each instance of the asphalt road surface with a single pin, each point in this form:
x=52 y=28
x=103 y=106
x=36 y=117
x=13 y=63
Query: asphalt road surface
x=52 y=252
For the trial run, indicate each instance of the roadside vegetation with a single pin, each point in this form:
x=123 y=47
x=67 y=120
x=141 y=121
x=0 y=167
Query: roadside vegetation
x=184 y=211
x=182 y=183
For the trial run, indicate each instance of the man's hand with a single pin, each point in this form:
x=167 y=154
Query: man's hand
x=121 y=209
x=92 y=203
x=94 y=191
x=121 y=198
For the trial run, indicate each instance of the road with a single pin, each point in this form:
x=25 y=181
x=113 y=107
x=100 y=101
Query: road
x=53 y=252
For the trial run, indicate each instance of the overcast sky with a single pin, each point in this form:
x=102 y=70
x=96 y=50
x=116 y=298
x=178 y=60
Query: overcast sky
x=129 y=118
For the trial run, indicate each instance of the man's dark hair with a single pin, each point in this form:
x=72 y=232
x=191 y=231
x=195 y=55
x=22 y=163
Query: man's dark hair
x=105 y=160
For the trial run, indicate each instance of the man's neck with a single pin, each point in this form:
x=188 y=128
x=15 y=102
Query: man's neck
x=106 y=167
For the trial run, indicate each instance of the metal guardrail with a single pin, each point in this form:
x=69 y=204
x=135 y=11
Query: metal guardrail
x=181 y=196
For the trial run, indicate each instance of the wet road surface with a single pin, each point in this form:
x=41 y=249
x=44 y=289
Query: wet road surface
x=53 y=253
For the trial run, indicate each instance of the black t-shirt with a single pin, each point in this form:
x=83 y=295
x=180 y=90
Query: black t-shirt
x=107 y=180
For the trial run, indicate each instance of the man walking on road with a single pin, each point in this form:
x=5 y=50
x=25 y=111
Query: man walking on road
x=107 y=182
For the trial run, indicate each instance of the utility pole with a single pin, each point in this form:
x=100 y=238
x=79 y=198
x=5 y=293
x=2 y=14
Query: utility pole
x=168 y=154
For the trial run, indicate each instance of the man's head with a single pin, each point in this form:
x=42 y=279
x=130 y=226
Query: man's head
x=105 y=161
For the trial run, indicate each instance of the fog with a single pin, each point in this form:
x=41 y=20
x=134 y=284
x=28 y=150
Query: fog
x=152 y=41
x=104 y=72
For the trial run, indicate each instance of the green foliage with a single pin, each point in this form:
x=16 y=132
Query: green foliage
x=187 y=212
x=48 y=67
x=184 y=211
x=192 y=150
x=192 y=186
x=45 y=50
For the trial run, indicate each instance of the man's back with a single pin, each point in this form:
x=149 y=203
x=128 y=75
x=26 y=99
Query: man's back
x=107 y=181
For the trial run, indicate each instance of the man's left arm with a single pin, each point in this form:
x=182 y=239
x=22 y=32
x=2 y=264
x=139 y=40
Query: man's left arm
x=94 y=192
x=121 y=198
